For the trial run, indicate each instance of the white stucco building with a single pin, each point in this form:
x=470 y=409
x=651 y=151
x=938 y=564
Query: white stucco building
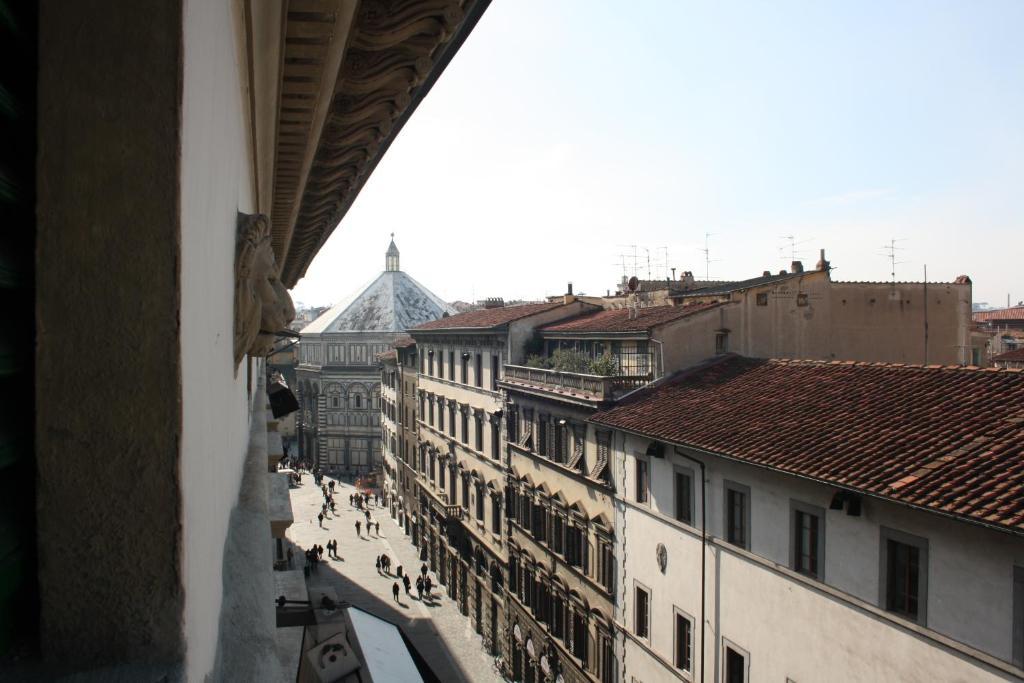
x=807 y=521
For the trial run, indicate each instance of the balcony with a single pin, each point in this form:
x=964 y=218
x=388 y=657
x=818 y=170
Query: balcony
x=589 y=388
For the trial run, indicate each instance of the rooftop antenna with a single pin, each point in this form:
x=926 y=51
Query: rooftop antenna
x=793 y=244
x=707 y=255
x=648 y=261
x=891 y=250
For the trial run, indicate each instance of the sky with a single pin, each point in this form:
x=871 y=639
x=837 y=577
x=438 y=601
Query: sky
x=565 y=137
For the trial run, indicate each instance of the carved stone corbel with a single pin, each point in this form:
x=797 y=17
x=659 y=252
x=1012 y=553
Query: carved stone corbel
x=263 y=306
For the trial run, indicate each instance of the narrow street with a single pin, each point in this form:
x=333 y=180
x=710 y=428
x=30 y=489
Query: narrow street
x=442 y=635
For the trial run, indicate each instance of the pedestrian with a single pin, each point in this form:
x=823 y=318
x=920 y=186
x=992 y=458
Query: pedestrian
x=378 y=564
x=319 y=552
x=406 y=582
x=427 y=585
x=419 y=588
x=335 y=548
x=367 y=513
x=351 y=500
x=400 y=572
x=331 y=486
x=290 y=558
x=321 y=518
x=333 y=511
x=394 y=590
x=377 y=496
x=423 y=569
x=357 y=528
x=385 y=561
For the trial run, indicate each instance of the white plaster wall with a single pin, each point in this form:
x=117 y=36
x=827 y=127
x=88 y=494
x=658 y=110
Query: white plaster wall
x=970 y=582
x=216 y=184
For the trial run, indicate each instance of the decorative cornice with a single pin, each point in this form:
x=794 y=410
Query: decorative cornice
x=396 y=50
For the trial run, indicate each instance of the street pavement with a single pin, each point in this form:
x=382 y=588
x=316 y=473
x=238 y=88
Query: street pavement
x=444 y=637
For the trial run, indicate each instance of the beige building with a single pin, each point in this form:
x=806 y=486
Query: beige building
x=462 y=464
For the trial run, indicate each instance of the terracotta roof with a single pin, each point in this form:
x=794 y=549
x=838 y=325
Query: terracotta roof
x=1016 y=354
x=1012 y=313
x=946 y=438
x=726 y=287
x=618 y=319
x=486 y=318
x=404 y=342
x=387 y=355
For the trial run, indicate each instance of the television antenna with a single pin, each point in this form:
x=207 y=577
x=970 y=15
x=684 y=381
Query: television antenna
x=707 y=255
x=890 y=253
x=793 y=244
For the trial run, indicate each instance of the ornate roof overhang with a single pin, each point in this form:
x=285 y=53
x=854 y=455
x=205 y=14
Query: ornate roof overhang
x=351 y=76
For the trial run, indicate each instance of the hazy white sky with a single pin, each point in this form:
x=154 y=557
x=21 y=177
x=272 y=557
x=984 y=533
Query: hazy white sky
x=563 y=132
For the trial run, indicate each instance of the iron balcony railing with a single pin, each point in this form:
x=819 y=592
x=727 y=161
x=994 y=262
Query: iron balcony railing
x=597 y=387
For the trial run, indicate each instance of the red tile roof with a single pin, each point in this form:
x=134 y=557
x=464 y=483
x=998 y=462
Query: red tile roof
x=486 y=318
x=1016 y=354
x=404 y=342
x=387 y=355
x=946 y=438
x=1012 y=313
x=618 y=319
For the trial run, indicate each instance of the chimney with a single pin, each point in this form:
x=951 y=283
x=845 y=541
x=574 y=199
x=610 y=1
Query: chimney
x=822 y=263
x=796 y=267
x=494 y=302
x=570 y=288
x=568 y=298
x=782 y=272
x=766 y=273
x=673 y=273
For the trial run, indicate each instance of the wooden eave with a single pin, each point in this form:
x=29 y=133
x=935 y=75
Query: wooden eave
x=351 y=76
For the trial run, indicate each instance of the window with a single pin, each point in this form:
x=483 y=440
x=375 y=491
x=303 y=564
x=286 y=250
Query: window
x=465 y=368
x=465 y=425
x=451 y=365
x=735 y=664
x=574 y=545
x=684 y=642
x=478 y=379
x=905 y=568
x=642 y=623
x=542 y=435
x=737 y=514
x=762 y=299
x=335 y=401
x=451 y=419
x=494 y=373
x=478 y=436
x=440 y=364
x=430 y=420
x=808 y=539
x=801 y=299
x=465 y=492
x=451 y=482
x=495 y=440
x=496 y=515
x=607 y=571
x=607 y=658
x=430 y=363
x=440 y=415
x=721 y=342
x=684 y=496
x=557 y=532
x=480 y=500
x=642 y=484
x=359 y=401
x=579 y=635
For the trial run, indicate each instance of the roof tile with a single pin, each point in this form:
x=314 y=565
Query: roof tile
x=486 y=318
x=946 y=438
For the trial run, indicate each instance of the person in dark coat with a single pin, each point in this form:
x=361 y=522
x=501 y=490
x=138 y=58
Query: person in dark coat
x=406 y=581
x=394 y=590
x=378 y=564
x=358 y=525
x=321 y=518
x=419 y=587
x=427 y=585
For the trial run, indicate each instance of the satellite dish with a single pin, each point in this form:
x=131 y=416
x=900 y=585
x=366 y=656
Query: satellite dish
x=633 y=284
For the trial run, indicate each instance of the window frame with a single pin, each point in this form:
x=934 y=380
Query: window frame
x=730 y=645
x=676 y=615
x=639 y=460
x=689 y=473
x=886 y=534
x=733 y=486
x=796 y=508
x=637 y=588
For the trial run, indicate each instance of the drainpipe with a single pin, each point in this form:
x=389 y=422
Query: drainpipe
x=703 y=552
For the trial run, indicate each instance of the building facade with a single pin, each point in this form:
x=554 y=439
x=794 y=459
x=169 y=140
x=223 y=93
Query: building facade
x=767 y=535
x=461 y=460
x=338 y=381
